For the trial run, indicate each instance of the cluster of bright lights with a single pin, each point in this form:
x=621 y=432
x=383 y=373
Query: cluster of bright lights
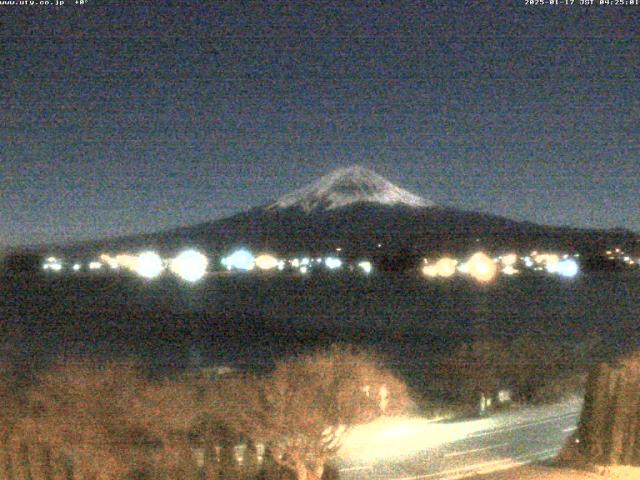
x=510 y=270
x=113 y=263
x=564 y=265
x=239 y=260
x=189 y=265
x=621 y=255
x=147 y=264
x=549 y=261
x=444 y=268
x=53 y=264
x=479 y=266
x=509 y=262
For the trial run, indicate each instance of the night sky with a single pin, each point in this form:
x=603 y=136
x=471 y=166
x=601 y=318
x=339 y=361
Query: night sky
x=117 y=119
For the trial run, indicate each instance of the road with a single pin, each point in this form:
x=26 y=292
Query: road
x=415 y=448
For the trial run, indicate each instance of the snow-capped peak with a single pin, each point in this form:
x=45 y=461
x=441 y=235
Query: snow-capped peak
x=346 y=186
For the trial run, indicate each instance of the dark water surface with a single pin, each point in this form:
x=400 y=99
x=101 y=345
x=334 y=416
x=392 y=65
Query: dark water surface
x=248 y=320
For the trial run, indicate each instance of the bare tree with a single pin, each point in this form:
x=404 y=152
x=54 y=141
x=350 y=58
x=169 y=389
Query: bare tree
x=107 y=420
x=306 y=406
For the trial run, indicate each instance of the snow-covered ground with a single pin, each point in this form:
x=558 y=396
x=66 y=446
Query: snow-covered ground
x=413 y=448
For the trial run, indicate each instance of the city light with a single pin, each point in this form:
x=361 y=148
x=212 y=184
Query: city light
x=365 y=266
x=149 y=265
x=510 y=270
x=239 y=260
x=481 y=267
x=567 y=268
x=446 y=267
x=52 y=263
x=112 y=262
x=430 y=271
x=333 y=263
x=266 y=262
x=509 y=260
x=190 y=265
x=549 y=260
x=127 y=261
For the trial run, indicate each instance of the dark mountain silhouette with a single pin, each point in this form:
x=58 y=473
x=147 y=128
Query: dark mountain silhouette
x=361 y=213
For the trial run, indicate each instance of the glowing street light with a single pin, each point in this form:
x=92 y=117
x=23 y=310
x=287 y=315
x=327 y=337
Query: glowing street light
x=365 y=266
x=149 y=265
x=481 y=267
x=190 y=265
x=510 y=259
x=567 y=268
x=266 y=262
x=239 y=260
x=510 y=270
x=446 y=267
x=112 y=262
x=332 y=263
x=127 y=261
x=430 y=271
x=52 y=263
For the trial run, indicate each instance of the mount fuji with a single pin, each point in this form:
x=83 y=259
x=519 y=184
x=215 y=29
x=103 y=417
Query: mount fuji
x=362 y=213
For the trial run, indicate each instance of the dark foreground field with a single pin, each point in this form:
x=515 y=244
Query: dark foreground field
x=248 y=321
x=449 y=341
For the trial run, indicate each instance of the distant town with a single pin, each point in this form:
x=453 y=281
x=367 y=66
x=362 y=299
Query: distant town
x=192 y=265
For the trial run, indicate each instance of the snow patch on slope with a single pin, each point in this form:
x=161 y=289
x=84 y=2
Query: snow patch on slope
x=347 y=186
